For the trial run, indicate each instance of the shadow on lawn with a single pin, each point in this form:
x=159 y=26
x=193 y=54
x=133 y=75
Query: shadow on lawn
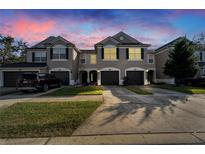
x=131 y=105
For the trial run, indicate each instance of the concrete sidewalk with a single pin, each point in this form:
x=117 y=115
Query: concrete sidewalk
x=124 y=139
x=10 y=99
x=68 y=98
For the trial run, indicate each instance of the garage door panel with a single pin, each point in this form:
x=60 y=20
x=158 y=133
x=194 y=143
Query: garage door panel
x=10 y=78
x=63 y=76
x=110 y=77
x=135 y=77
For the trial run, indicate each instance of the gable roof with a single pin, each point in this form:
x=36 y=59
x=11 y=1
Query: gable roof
x=122 y=38
x=169 y=44
x=127 y=39
x=88 y=51
x=108 y=39
x=51 y=40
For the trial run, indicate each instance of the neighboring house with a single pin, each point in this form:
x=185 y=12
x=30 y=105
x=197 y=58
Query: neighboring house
x=113 y=59
x=162 y=55
x=55 y=55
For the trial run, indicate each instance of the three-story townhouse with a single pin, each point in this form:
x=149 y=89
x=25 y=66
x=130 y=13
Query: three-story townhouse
x=116 y=58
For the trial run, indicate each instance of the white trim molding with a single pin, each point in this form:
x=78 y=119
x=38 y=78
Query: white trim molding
x=109 y=69
x=59 y=59
x=134 y=69
x=148 y=58
x=59 y=69
x=88 y=69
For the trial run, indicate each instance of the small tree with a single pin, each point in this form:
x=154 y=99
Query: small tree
x=11 y=50
x=181 y=63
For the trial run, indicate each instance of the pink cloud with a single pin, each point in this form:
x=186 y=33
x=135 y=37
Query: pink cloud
x=27 y=29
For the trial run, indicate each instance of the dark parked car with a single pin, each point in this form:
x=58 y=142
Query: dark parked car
x=37 y=81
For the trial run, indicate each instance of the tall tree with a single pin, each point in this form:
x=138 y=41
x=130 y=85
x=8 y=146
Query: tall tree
x=21 y=48
x=11 y=50
x=182 y=62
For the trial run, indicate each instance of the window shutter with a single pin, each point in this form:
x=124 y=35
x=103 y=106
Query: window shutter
x=201 y=56
x=127 y=53
x=142 y=53
x=33 y=57
x=102 y=53
x=67 y=53
x=51 y=53
x=117 y=53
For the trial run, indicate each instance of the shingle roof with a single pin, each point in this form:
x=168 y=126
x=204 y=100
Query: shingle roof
x=130 y=40
x=51 y=40
x=126 y=40
x=170 y=44
x=88 y=51
x=25 y=64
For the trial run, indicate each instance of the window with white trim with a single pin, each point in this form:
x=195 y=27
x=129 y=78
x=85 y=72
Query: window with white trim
x=40 y=57
x=110 y=53
x=83 y=59
x=59 y=53
x=135 y=54
x=150 y=59
x=93 y=59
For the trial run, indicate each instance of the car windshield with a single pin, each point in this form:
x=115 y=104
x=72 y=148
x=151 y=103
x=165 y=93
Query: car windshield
x=28 y=76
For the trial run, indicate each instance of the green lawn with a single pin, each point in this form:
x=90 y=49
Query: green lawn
x=68 y=91
x=44 y=119
x=184 y=89
x=138 y=90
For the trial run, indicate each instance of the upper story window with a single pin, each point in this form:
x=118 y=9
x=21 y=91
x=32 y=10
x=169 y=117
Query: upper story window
x=59 y=53
x=83 y=59
x=150 y=59
x=200 y=56
x=110 y=53
x=39 y=57
x=135 y=54
x=93 y=59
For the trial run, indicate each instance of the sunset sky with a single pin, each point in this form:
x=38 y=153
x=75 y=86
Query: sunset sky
x=87 y=27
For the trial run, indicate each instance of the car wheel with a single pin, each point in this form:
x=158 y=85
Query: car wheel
x=45 y=87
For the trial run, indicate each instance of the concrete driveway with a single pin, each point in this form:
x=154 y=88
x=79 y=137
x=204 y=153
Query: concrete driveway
x=125 y=112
